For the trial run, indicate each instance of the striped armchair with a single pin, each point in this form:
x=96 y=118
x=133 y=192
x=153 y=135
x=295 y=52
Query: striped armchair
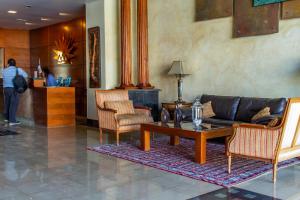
x=115 y=119
x=268 y=144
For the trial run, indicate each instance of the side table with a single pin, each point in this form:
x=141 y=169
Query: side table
x=171 y=106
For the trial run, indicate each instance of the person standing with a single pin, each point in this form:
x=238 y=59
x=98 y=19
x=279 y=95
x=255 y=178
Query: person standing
x=11 y=97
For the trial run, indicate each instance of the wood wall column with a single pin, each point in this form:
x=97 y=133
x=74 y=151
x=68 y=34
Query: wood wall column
x=142 y=36
x=126 y=46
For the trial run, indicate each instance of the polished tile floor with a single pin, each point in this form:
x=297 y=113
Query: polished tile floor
x=54 y=164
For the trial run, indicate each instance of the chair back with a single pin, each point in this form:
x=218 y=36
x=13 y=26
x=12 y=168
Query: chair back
x=110 y=95
x=290 y=138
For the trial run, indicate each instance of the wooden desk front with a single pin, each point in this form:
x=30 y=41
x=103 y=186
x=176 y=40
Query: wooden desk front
x=54 y=106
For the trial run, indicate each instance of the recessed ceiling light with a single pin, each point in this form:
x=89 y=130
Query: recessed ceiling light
x=12 y=11
x=64 y=14
x=22 y=20
x=45 y=19
x=29 y=23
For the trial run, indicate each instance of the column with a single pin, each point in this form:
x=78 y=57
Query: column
x=142 y=36
x=126 y=46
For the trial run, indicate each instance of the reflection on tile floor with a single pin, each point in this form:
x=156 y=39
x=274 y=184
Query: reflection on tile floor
x=54 y=164
x=233 y=194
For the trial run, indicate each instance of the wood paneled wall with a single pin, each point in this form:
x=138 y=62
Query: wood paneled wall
x=42 y=43
x=16 y=45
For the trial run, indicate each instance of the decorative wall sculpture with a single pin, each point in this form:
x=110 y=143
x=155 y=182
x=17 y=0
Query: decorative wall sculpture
x=290 y=9
x=265 y=2
x=65 y=49
x=211 y=9
x=251 y=21
x=94 y=54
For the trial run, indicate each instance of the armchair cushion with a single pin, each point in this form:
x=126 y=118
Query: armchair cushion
x=122 y=107
x=133 y=119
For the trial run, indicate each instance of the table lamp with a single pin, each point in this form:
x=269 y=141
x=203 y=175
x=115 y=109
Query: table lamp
x=178 y=70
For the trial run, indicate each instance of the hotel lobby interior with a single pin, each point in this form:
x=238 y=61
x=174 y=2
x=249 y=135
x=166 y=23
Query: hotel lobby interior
x=152 y=99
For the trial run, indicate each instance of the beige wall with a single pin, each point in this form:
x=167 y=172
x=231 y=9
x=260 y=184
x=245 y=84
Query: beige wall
x=264 y=66
x=103 y=13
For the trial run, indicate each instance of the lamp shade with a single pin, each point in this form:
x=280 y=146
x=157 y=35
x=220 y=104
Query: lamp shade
x=177 y=69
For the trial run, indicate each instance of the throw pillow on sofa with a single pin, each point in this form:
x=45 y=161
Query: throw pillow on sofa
x=262 y=113
x=274 y=122
x=208 y=111
x=122 y=107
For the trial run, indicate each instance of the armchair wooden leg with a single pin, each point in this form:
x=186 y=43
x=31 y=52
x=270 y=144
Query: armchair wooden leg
x=274 y=172
x=100 y=135
x=117 y=137
x=229 y=164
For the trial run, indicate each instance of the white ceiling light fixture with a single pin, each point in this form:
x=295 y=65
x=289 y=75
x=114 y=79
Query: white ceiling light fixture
x=45 y=19
x=22 y=20
x=64 y=14
x=12 y=11
x=29 y=23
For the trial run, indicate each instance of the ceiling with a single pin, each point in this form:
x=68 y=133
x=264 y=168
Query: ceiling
x=38 y=8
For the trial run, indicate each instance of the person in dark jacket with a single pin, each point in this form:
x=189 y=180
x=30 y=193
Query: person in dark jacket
x=11 y=97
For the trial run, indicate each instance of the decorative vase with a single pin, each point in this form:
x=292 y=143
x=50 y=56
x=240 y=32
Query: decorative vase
x=197 y=113
x=164 y=116
x=177 y=117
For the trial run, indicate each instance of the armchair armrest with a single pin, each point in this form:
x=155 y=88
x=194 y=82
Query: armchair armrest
x=107 y=118
x=246 y=125
x=142 y=108
x=254 y=140
x=254 y=126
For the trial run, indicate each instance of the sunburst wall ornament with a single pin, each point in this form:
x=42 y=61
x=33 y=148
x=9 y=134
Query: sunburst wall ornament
x=65 y=50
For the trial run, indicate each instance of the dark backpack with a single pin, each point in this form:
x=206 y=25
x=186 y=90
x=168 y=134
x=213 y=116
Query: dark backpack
x=20 y=83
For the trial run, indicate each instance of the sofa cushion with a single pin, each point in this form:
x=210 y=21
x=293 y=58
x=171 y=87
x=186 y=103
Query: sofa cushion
x=221 y=122
x=248 y=107
x=133 y=119
x=122 y=107
x=274 y=122
x=208 y=111
x=262 y=113
x=225 y=107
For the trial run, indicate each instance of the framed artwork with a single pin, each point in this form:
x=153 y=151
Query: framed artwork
x=265 y=2
x=252 y=21
x=212 y=9
x=94 y=57
x=290 y=9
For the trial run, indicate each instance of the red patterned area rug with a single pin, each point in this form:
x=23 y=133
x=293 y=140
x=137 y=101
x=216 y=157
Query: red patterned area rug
x=179 y=160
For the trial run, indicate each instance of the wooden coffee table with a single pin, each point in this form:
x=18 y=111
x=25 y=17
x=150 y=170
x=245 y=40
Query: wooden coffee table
x=207 y=131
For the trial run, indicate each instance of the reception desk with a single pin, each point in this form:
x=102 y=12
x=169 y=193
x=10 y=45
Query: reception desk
x=46 y=106
x=54 y=106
